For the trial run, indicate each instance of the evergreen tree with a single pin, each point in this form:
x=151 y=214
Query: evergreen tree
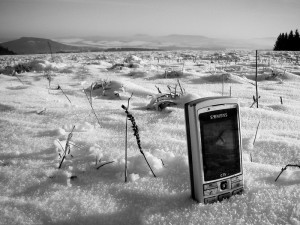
x=290 y=39
x=297 y=40
x=288 y=42
x=281 y=41
x=277 y=43
x=285 y=42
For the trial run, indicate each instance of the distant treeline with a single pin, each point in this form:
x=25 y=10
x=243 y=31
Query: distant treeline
x=130 y=49
x=288 y=42
x=5 y=51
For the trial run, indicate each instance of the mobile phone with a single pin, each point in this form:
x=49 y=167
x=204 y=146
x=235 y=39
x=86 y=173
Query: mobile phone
x=214 y=148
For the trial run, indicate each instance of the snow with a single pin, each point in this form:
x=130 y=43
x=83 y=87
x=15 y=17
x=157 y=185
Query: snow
x=36 y=124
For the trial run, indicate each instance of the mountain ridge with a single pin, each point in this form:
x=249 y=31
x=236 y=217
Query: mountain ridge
x=174 y=41
x=34 y=45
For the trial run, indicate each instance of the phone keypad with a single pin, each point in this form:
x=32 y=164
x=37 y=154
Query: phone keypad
x=217 y=191
x=210 y=186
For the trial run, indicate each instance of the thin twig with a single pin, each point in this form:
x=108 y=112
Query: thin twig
x=256 y=132
x=59 y=88
x=283 y=169
x=104 y=164
x=67 y=147
x=15 y=74
x=254 y=101
x=159 y=91
x=181 y=89
x=91 y=94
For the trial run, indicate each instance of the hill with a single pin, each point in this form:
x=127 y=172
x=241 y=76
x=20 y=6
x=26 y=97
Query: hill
x=32 y=45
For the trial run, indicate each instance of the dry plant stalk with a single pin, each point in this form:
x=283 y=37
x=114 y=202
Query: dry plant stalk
x=136 y=134
x=126 y=172
x=283 y=169
x=256 y=132
x=67 y=148
x=254 y=139
x=14 y=74
x=255 y=100
x=104 y=164
x=59 y=88
x=49 y=78
x=159 y=91
x=181 y=88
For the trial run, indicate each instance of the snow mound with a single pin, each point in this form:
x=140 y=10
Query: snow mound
x=61 y=177
x=163 y=163
x=96 y=151
x=44 y=65
x=274 y=75
x=284 y=75
x=227 y=77
x=187 y=97
x=137 y=164
x=161 y=101
x=52 y=133
x=133 y=59
x=84 y=127
x=106 y=89
x=137 y=74
x=104 y=64
x=117 y=90
x=281 y=107
x=289 y=177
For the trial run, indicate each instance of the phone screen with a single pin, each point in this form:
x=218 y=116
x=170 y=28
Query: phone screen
x=220 y=143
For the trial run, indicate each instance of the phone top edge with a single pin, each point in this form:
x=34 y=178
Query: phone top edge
x=200 y=100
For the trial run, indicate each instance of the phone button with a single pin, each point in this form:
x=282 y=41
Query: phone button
x=210 y=200
x=238 y=192
x=210 y=186
x=224 y=196
x=211 y=192
x=236 y=185
x=237 y=178
x=224 y=185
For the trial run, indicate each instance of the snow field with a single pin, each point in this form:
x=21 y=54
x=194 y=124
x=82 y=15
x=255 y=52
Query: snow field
x=34 y=191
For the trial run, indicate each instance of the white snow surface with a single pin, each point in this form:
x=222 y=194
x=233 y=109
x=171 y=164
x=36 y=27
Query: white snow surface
x=89 y=188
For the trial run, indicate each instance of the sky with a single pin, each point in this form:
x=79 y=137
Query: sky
x=211 y=18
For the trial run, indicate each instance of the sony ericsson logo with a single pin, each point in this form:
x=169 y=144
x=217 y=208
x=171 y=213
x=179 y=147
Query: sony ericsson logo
x=218 y=116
